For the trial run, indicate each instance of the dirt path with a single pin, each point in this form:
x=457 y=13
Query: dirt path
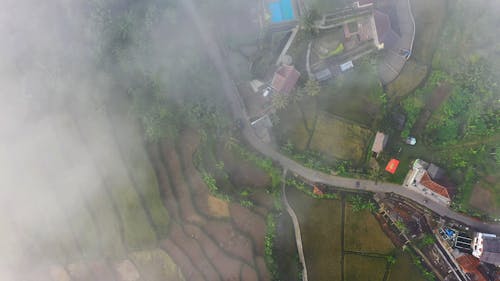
x=296 y=227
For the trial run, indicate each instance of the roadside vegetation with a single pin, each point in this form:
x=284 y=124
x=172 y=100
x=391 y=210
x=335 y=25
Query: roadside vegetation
x=454 y=113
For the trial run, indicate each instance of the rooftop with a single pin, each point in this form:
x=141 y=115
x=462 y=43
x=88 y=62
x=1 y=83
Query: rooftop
x=379 y=142
x=284 y=79
x=434 y=186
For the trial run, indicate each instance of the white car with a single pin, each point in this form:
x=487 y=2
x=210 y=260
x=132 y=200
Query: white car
x=411 y=141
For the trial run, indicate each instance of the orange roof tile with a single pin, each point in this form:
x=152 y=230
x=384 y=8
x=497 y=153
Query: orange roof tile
x=434 y=186
x=469 y=264
x=285 y=78
x=392 y=166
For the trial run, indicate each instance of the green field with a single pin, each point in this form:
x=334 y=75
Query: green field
x=359 y=253
x=404 y=269
x=364 y=268
x=321 y=226
x=355 y=95
x=362 y=233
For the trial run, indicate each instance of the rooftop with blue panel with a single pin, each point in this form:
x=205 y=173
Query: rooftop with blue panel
x=281 y=11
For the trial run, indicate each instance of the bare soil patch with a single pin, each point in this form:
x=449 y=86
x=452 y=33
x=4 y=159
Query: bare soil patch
x=102 y=271
x=263 y=272
x=251 y=224
x=483 y=200
x=191 y=247
x=227 y=266
x=79 y=271
x=248 y=274
x=126 y=271
x=180 y=187
x=218 y=207
x=58 y=273
x=230 y=240
x=189 y=271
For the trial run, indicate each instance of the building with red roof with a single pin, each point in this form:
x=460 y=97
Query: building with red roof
x=420 y=180
x=392 y=166
x=469 y=265
x=285 y=78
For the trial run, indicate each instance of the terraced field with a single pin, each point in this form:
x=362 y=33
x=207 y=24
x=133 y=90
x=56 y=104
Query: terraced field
x=205 y=244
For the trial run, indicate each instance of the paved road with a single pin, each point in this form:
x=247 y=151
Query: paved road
x=239 y=112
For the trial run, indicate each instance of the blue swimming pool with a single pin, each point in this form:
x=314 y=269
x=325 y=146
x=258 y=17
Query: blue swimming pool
x=281 y=11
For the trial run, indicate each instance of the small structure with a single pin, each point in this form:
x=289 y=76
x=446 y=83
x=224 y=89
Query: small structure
x=346 y=66
x=256 y=85
x=419 y=179
x=392 y=166
x=486 y=247
x=363 y=4
x=379 y=143
x=323 y=75
x=285 y=78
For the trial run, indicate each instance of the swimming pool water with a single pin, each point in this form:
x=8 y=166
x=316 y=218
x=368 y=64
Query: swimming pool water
x=281 y=11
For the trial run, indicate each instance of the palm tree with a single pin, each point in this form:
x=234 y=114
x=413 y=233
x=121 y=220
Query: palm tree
x=312 y=88
x=279 y=101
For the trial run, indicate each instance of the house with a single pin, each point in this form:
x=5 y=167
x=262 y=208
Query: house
x=420 y=180
x=284 y=79
x=486 y=247
x=379 y=143
x=469 y=265
x=384 y=36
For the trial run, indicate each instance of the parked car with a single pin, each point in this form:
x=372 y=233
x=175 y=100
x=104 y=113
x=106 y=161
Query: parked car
x=411 y=141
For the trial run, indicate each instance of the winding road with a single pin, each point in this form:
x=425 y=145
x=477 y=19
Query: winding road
x=238 y=109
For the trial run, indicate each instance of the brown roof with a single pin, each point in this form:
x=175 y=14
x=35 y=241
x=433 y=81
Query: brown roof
x=285 y=78
x=379 y=142
x=470 y=265
x=434 y=186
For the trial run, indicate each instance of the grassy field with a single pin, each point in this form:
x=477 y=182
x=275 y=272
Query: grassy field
x=355 y=95
x=359 y=253
x=340 y=139
x=364 y=268
x=362 y=233
x=404 y=269
x=321 y=226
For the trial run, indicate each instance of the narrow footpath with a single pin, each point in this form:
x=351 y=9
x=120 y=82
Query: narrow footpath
x=238 y=110
x=296 y=227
